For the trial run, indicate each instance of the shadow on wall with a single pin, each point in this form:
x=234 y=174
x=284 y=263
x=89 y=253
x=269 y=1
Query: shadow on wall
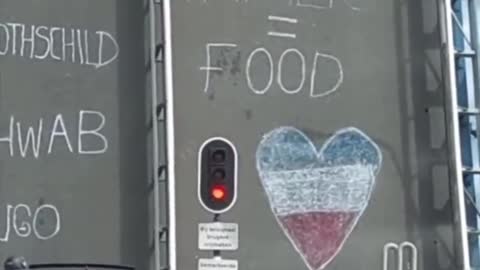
x=133 y=132
x=425 y=168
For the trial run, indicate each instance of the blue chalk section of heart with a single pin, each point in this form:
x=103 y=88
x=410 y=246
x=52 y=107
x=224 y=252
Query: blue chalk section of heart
x=298 y=178
x=287 y=148
x=351 y=146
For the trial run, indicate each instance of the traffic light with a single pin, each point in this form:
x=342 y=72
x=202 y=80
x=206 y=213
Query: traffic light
x=217 y=175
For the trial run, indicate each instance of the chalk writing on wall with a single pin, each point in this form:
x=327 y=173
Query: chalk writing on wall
x=42 y=223
x=224 y=57
x=405 y=253
x=79 y=46
x=81 y=132
x=321 y=4
x=317 y=196
x=285 y=20
x=34 y=140
x=275 y=66
x=311 y=4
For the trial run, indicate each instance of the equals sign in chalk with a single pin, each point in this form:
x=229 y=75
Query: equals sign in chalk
x=285 y=20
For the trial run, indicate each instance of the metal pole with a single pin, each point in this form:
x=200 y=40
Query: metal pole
x=154 y=86
x=453 y=132
x=168 y=72
x=474 y=20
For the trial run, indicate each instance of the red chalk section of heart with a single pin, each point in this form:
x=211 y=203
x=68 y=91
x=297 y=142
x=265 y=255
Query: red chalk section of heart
x=318 y=208
x=318 y=235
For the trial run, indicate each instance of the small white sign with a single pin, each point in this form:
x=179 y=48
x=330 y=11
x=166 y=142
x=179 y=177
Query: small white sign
x=218 y=236
x=217 y=264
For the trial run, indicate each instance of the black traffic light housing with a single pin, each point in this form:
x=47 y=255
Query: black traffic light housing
x=217 y=175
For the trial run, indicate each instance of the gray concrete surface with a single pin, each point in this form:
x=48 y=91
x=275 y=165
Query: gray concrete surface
x=101 y=198
x=391 y=90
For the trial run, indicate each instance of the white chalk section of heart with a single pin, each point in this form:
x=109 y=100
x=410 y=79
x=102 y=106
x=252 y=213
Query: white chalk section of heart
x=317 y=196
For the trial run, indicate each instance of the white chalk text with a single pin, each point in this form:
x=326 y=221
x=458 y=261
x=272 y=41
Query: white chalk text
x=25 y=221
x=62 y=44
x=41 y=138
x=275 y=67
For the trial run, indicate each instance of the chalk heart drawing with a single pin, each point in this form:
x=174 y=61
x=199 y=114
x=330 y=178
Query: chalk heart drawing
x=318 y=196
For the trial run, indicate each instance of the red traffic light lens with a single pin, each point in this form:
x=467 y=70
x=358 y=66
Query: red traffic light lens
x=219 y=192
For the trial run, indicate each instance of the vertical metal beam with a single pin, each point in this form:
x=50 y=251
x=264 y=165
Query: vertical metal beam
x=154 y=96
x=168 y=70
x=453 y=132
x=475 y=37
x=474 y=22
